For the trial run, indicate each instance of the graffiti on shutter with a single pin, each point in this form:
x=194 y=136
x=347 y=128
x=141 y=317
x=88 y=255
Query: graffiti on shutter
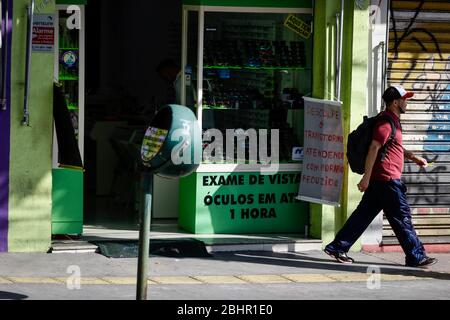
x=419 y=59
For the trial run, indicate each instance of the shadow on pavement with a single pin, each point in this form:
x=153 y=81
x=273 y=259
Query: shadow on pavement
x=177 y=248
x=302 y=260
x=11 y=296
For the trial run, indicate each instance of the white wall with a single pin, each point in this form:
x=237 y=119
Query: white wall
x=377 y=23
x=377 y=34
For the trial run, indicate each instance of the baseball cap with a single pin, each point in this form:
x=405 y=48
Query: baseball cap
x=396 y=92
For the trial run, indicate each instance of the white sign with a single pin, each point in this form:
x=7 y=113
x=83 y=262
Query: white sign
x=297 y=154
x=43 y=33
x=323 y=153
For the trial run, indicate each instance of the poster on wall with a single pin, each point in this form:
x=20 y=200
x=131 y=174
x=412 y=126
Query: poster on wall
x=43 y=33
x=298 y=26
x=323 y=153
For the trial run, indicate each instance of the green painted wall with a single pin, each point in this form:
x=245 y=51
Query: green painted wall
x=187 y=201
x=355 y=82
x=31 y=147
x=322 y=217
x=326 y=220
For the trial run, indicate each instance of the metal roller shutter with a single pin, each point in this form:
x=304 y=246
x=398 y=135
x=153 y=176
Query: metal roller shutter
x=419 y=59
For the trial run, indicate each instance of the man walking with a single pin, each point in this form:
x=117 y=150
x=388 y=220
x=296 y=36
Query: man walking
x=384 y=190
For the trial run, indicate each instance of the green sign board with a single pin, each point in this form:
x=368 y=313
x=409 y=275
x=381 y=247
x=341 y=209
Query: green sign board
x=252 y=3
x=242 y=203
x=69 y=2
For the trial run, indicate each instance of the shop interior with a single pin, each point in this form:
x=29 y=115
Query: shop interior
x=124 y=45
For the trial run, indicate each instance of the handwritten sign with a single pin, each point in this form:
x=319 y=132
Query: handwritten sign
x=323 y=152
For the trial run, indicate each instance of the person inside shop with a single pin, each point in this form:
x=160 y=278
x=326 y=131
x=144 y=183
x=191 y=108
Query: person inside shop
x=384 y=190
x=170 y=71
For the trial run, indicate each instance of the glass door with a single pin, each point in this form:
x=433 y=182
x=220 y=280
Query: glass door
x=69 y=71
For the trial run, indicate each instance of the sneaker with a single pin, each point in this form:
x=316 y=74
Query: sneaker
x=425 y=262
x=339 y=256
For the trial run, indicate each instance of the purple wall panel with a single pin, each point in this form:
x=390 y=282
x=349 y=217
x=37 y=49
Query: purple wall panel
x=5 y=118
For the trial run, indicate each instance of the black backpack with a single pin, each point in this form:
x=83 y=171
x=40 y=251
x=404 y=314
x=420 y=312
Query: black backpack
x=360 y=139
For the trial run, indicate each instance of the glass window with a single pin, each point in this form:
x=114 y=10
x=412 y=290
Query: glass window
x=256 y=69
x=190 y=71
x=69 y=62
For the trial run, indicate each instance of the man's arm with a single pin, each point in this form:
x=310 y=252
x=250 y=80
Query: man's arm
x=416 y=159
x=370 y=161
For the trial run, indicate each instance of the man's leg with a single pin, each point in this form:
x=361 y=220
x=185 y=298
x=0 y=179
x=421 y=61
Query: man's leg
x=359 y=220
x=398 y=213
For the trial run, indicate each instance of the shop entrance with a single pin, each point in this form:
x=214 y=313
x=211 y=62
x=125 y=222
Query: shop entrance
x=125 y=42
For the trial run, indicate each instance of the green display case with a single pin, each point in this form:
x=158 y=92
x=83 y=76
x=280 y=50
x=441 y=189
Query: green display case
x=67 y=212
x=67 y=197
x=242 y=202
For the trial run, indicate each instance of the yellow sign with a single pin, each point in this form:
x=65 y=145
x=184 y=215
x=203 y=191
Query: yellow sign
x=298 y=26
x=153 y=140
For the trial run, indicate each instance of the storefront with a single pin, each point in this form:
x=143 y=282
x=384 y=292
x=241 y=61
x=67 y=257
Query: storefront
x=249 y=67
x=249 y=64
x=254 y=95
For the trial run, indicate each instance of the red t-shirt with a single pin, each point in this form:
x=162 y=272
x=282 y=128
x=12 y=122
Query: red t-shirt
x=392 y=166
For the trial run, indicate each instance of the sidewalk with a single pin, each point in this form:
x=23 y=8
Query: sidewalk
x=237 y=275
x=227 y=263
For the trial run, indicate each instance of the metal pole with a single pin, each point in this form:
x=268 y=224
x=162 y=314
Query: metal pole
x=337 y=55
x=144 y=235
x=383 y=69
x=341 y=39
x=26 y=115
x=184 y=53
x=386 y=45
x=201 y=40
